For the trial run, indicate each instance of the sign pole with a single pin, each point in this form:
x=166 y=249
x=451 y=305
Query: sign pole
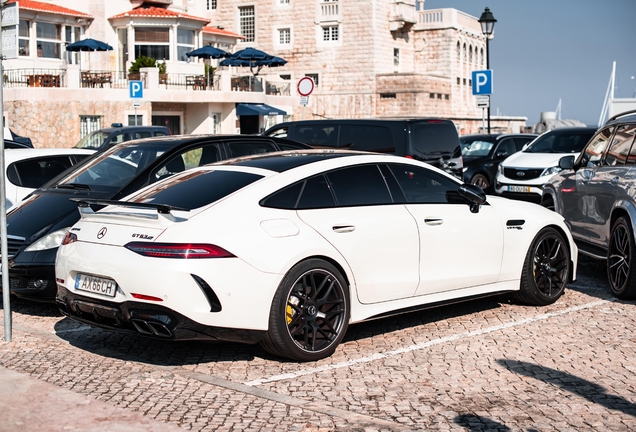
x=483 y=121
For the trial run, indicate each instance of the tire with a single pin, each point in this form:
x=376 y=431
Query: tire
x=548 y=203
x=620 y=260
x=310 y=312
x=481 y=181
x=545 y=270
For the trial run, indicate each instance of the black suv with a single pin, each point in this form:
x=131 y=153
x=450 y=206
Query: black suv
x=429 y=140
x=596 y=194
x=106 y=137
x=36 y=228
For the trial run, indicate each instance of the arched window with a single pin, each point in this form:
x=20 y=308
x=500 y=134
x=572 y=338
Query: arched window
x=464 y=53
x=459 y=52
x=481 y=57
x=470 y=54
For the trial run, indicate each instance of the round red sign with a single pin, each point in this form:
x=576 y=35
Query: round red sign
x=305 y=86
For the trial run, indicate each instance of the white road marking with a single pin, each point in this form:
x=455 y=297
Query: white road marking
x=422 y=345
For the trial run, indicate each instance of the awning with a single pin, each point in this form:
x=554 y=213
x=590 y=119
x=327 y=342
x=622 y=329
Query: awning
x=257 y=109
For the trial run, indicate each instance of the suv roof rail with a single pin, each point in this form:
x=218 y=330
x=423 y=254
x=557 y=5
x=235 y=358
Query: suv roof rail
x=625 y=113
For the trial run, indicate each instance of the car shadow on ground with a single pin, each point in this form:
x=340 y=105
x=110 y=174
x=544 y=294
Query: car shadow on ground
x=571 y=383
x=133 y=347
x=32 y=308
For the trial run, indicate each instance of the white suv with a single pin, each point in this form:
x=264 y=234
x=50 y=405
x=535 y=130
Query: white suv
x=522 y=175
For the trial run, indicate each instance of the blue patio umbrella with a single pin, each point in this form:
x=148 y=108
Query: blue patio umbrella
x=272 y=62
x=208 y=52
x=251 y=54
x=88 y=44
x=235 y=62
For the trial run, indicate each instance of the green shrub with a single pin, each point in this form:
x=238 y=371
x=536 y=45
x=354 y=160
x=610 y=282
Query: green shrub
x=143 y=62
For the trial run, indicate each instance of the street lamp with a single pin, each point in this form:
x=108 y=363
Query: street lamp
x=487 y=21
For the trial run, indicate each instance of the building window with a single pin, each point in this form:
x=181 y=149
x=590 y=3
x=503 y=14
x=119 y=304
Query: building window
x=284 y=36
x=313 y=77
x=24 y=34
x=152 y=42
x=396 y=56
x=71 y=34
x=283 y=2
x=458 y=81
x=247 y=22
x=211 y=4
x=185 y=43
x=285 y=77
x=388 y=95
x=432 y=95
x=89 y=124
x=216 y=123
x=330 y=33
x=49 y=40
x=135 y=120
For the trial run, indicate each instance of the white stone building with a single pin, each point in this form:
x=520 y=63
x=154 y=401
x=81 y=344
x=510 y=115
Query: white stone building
x=369 y=58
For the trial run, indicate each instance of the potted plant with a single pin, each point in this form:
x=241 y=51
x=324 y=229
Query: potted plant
x=143 y=62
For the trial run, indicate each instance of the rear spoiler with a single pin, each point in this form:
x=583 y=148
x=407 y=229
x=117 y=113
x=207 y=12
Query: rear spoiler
x=163 y=209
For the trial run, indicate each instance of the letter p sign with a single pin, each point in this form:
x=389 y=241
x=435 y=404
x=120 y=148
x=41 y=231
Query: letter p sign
x=482 y=82
x=136 y=89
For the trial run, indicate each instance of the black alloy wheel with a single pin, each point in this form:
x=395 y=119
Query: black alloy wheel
x=310 y=312
x=481 y=181
x=546 y=269
x=620 y=254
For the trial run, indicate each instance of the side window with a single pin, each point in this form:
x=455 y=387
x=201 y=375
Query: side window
x=520 y=142
x=366 y=137
x=160 y=133
x=316 y=193
x=280 y=132
x=505 y=148
x=593 y=153
x=360 y=185
x=116 y=139
x=285 y=198
x=239 y=149
x=33 y=173
x=144 y=134
x=173 y=166
x=619 y=150
x=423 y=186
x=319 y=136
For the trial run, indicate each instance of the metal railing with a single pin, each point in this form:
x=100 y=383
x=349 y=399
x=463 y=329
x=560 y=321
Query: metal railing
x=34 y=78
x=277 y=88
x=187 y=81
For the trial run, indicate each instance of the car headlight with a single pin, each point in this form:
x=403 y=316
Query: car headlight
x=550 y=171
x=49 y=241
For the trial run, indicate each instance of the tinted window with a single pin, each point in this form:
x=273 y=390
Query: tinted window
x=477 y=147
x=618 y=152
x=159 y=133
x=560 y=142
x=286 y=198
x=422 y=186
x=120 y=137
x=280 y=132
x=145 y=134
x=239 y=149
x=34 y=173
x=323 y=135
x=594 y=150
x=434 y=138
x=93 y=140
x=367 y=138
x=197 y=189
x=359 y=185
x=505 y=148
x=316 y=193
x=520 y=142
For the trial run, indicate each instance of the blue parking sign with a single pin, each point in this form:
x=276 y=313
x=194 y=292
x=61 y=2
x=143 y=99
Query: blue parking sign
x=482 y=82
x=136 y=89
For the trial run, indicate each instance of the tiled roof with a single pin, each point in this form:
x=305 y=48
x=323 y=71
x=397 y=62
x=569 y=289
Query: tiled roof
x=156 y=12
x=221 y=32
x=49 y=8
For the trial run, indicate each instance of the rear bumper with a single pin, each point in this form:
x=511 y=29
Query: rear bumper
x=33 y=282
x=153 y=321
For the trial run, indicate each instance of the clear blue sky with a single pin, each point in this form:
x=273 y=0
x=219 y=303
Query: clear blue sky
x=546 y=50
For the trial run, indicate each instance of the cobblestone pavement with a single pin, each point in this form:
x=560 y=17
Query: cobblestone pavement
x=481 y=365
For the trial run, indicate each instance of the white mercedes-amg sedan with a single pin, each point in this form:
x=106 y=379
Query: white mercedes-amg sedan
x=289 y=248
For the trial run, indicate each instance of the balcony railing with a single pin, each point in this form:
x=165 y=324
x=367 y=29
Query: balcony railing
x=329 y=10
x=103 y=79
x=402 y=14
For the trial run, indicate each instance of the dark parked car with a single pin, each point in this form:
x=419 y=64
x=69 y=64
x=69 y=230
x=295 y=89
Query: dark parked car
x=482 y=154
x=106 y=137
x=8 y=144
x=596 y=194
x=13 y=137
x=429 y=140
x=37 y=227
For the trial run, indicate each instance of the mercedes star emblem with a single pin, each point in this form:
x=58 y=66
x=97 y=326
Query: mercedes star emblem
x=102 y=233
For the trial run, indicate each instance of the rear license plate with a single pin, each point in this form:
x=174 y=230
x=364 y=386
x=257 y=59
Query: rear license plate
x=95 y=284
x=518 y=188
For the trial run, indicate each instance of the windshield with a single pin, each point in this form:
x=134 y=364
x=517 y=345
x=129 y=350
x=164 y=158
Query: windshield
x=559 y=143
x=114 y=168
x=475 y=147
x=93 y=140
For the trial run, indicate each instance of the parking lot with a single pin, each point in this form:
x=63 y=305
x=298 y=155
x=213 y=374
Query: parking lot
x=488 y=364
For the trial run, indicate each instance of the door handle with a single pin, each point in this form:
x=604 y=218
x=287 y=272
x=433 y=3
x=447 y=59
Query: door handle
x=343 y=228
x=433 y=221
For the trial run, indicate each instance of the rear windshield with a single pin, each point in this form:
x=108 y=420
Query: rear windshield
x=560 y=143
x=196 y=189
x=476 y=146
x=435 y=138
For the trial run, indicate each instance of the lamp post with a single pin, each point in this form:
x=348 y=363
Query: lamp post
x=487 y=21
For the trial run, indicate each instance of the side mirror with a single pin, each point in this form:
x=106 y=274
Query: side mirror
x=566 y=162
x=501 y=154
x=473 y=194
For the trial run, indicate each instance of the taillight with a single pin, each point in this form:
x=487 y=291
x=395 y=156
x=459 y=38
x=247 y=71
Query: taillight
x=69 y=238
x=178 y=250
x=568 y=190
x=146 y=297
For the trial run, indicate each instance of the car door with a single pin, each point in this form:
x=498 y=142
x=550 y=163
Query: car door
x=376 y=237
x=607 y=185
x=583 y=206
x=459 y=249
x=505 y=148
